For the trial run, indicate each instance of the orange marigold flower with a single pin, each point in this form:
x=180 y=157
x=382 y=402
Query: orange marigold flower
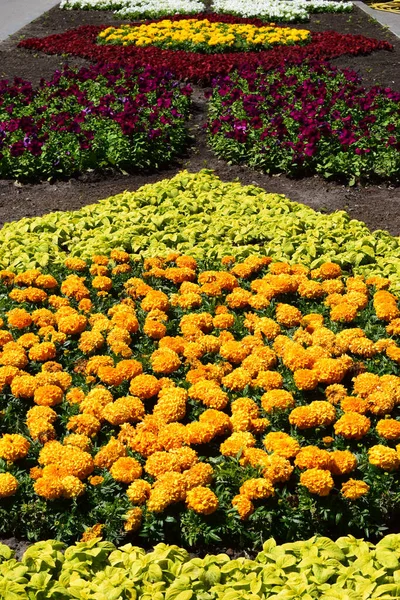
x=312 y=457
x=200 y=474
x=96 y=480
x=282 y=444
x=13 y=447
x=352 y=426
x=75 y=264
x=257 y=489
x=49 y=488
x=236 y=443
x=165 y=361
x=19 y=318
x=43 y=352
x=384 y=457
x=288 y=315
x=72 y=324
x=161 y=462
x=244 y=506
x=126 y=469
x=85 y=424
x=353 y=489
x=133 y=519
x=202 y=500
x=317 y=481
x=342 y=462
x=48 y=395
x=389 y=429
x=335 y=393
x=277 y=400
x=305 y=379
x=138 y=491
x=316 y=414
x=144 y=386
x=268 y=380
x=23 y=386
x=329 y=370
x=8 y=485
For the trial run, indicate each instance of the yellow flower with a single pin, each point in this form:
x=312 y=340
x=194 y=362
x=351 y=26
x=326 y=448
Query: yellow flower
x=354 y=489
x=384 y=457
x=8 y=485
x=317 y=481
x=202 y=500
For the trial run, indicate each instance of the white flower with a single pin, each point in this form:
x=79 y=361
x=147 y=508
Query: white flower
x=279 y=10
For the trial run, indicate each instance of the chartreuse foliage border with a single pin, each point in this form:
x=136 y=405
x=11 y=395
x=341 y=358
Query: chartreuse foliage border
x=348 y=569
x=198 y=214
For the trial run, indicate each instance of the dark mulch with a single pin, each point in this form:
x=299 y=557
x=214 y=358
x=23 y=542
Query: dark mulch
x=377 y=205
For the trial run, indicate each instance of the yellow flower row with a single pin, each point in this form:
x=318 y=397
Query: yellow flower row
x=234 y=379
x=194 y=34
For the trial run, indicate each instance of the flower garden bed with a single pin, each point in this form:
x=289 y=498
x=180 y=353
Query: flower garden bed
x=222 y=409
x=306 y=119
x=92 y=118
x=197 y=362
x=83 y=42
x=268 y=10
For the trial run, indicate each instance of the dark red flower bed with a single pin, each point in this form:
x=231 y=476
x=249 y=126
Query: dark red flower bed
x=198 y=67
x=305 y=119
x=102 y=116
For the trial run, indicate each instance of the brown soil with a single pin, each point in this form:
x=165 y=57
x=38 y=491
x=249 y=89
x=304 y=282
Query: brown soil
x=378 y=206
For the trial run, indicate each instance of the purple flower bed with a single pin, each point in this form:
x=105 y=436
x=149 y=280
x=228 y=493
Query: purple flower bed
x=96 y=117
x=306 y=119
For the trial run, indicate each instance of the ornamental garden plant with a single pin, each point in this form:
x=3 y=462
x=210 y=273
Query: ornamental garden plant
x=99 y=116
x=194 y=65
x=318 y=567
x=199 y=215
x=198 y=404
x=268 y=10
x=306 y=119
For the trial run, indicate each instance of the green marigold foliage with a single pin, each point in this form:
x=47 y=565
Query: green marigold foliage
x=198 y=214
x=348 y=569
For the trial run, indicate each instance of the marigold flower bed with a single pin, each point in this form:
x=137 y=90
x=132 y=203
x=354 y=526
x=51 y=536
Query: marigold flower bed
x=318 y=567
x=198 y=405
x=306 y=119
x=195 y=66
x=96 y=117
x=200 y=35
x=198 y=214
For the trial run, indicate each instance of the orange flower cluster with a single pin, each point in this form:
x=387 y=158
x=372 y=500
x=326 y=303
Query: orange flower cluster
x=168 y=374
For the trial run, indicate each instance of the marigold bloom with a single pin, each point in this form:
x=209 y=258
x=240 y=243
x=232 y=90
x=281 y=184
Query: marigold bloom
x=85 y=424
x=317 y=481
x=23 y=386
x=352 y=426
x=342 y=462
x=48 y=395
x=72 y=487
x=312 y=457
x=282 y=444
x=202 y=500
x=277 y=400
x=13 y=447
x=126 y=469
x=353 y=489
x=133 y=519
x=144 y=386
x=257 y=489
x=288 y=315
x=384 y=457
x=138 y=491
x=19 y=318
x=305 y=379
x=244 y=506
x=389 y=429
